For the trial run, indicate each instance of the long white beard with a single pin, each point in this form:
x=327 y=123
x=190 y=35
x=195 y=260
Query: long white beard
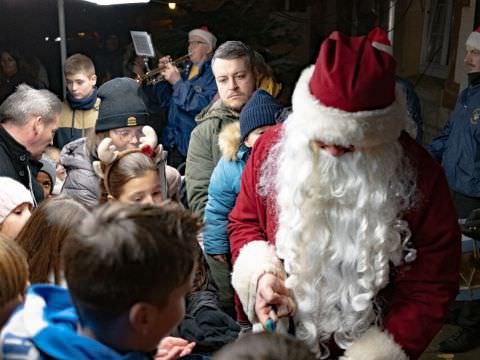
x=339 y=228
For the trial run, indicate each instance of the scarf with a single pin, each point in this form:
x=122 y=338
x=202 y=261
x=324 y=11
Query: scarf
x=82 y=104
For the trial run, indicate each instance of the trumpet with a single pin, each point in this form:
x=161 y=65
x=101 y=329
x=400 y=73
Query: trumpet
x=154 y=76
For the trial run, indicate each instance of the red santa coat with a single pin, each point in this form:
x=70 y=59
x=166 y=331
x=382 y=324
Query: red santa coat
x=418 y=294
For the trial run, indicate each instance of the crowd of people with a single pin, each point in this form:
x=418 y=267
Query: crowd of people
x=241 y=229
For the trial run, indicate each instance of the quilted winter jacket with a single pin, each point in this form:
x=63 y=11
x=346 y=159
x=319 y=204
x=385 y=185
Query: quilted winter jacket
x=81 y=183
x=223 y=190
x=204 y=152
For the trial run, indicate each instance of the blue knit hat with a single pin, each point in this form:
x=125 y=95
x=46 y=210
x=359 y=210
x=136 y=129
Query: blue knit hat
x=121 y=105
x=259 y=111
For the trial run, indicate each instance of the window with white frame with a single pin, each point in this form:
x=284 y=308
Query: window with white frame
x=436 y=38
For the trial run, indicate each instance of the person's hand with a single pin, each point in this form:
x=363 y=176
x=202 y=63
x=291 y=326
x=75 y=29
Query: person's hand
x=273 y=299
x=220 y=258
x=171 y=348
x=171 y=73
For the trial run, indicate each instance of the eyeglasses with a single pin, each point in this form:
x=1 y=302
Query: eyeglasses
x=129 y=134
x=196 y=43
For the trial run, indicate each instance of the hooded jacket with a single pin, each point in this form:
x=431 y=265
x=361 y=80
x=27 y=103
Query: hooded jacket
x=81 y=183
x=46 y=327
x=204 y=152
x=223 y=189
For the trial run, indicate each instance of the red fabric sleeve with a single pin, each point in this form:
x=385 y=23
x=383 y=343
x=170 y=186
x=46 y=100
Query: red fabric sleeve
x=248 y=219
x=422 y=290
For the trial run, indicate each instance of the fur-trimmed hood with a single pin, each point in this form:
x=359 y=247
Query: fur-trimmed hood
x=229 y=140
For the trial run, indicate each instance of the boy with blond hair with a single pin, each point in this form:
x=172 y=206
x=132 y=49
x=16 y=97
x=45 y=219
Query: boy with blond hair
x=128 y=269
x=80 y=108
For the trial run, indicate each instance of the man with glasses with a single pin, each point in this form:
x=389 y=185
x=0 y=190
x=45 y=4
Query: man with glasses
x=186 y=92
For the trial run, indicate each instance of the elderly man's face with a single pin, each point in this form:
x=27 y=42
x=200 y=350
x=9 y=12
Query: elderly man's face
x=472 y=59
x=42 y=133
x=198 y=49
x=235 y=81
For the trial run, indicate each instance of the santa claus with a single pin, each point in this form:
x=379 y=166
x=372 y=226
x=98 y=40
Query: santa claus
x=343 y=222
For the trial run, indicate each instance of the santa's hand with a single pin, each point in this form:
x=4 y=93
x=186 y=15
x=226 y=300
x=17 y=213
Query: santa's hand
x=273 y=299
x=171 y=348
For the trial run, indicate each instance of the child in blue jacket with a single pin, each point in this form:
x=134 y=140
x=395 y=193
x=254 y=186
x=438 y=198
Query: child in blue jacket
x=236 y=141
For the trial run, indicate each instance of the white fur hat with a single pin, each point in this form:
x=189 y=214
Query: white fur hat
x=205 y=34
x=12 y=194
x=473 y=39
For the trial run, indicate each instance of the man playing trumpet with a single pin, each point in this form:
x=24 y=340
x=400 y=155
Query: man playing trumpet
x=186 y=92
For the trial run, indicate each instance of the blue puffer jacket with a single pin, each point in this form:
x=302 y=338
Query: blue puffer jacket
x=458 y=146
x=185 y=100
x=223 y=190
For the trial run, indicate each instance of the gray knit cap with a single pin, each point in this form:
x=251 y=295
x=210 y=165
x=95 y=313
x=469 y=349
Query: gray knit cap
x=121 y=105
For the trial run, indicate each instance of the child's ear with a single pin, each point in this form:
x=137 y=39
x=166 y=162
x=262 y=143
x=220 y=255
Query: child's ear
x=141 y=317
x=110 y=198
x=93 y=79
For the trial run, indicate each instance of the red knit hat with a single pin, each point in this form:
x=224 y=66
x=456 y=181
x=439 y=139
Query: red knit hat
x=348 y=97
x=473 y=39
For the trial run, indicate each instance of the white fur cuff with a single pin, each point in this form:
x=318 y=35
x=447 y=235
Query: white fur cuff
x=375 y=345
x=255 y=259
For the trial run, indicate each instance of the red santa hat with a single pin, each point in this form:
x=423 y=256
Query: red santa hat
x=205 y=34
x=473 y=39
x=349 y=96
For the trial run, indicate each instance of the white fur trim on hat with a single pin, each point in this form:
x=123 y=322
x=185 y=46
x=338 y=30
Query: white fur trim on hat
x=473 y=40
x=335 y=126
x=255 y=259
x=374 y=344
x=205 y=35
x=12 y=194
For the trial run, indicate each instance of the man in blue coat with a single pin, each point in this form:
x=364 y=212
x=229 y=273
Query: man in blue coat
x=186 y=93
x=458 y=149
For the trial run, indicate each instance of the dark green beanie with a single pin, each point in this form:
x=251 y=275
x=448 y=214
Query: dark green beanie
x=121 y=105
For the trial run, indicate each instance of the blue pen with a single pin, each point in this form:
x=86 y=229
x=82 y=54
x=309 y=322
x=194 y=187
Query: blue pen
x=270 y=324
